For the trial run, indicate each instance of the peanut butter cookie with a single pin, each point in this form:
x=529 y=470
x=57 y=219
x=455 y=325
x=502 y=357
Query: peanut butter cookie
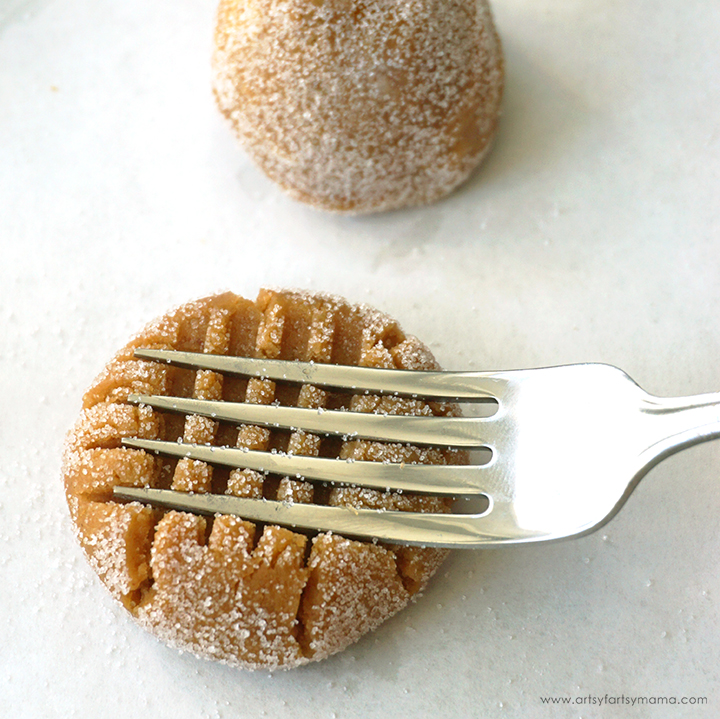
x=250 y=596
x=360 y=106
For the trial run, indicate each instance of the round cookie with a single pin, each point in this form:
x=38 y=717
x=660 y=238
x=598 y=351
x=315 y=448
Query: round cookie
x=222 y=588
x=357 y=106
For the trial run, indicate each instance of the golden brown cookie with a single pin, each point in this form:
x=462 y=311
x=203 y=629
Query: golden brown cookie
x=256 y=597
x=360 y=105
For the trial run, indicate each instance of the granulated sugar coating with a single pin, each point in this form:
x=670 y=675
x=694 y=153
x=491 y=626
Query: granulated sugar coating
x=255 y=597
x=360 y=105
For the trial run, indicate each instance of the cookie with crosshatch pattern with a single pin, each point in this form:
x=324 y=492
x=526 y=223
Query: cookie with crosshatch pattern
x=222 y=588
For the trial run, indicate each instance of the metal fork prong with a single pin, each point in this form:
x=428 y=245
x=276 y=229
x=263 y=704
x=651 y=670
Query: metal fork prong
x=452 y=386
x=416 y=528
x=461 y=432
x=448 y=480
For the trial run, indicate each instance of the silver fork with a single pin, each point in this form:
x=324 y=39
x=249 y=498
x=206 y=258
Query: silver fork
x=568 y=446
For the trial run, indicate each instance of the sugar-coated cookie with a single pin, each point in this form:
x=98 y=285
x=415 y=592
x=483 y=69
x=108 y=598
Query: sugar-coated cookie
x=360 y=106
x=222 y=588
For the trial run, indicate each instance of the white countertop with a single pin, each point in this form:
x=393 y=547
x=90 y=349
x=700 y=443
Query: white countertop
x=591 y=233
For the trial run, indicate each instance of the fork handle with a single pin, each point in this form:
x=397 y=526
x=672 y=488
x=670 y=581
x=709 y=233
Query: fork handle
x=681 y=422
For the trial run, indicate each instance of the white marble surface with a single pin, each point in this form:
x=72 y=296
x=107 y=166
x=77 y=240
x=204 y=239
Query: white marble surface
x=592 y=232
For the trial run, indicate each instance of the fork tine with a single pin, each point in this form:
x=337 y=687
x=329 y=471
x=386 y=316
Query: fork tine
x=448 y=480
x=424 y=529
x=451 y=386
x=428 y=430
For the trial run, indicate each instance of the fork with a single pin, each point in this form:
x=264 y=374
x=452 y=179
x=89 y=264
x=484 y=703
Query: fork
x=568 y=445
